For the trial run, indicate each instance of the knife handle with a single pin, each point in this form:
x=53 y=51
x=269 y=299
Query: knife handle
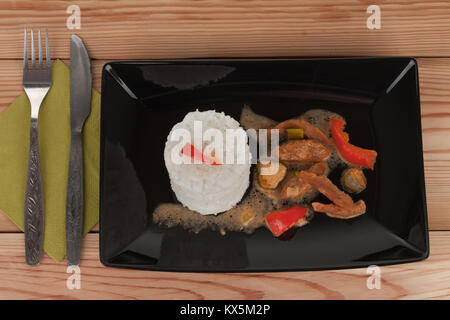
x=34 y=202
x=74 y=203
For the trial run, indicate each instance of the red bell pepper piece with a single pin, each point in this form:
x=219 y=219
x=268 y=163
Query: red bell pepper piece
x=190 y=151
x=280 y=221
x=355 y=155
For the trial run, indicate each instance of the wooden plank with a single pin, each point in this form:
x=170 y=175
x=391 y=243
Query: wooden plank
x=11 y=79
x=434 y=76
x=429 y=279
x=229 y=28
x=6 y=225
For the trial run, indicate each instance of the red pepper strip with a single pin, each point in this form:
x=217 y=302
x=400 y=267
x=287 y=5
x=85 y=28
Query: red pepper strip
x=190 y=151
x=355 y=155
x=280 y=221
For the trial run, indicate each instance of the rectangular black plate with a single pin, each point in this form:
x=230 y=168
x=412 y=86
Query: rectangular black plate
x=379 y=97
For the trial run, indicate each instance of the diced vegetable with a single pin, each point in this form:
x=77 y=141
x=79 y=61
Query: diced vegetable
x=280 y=221
x=190 y=151
x=309 y=130
x=355 y=155
x=247 y=216
x=295 y=133
x=271 y=181
x=353 y=180
x=292 y=192
x=293 y=189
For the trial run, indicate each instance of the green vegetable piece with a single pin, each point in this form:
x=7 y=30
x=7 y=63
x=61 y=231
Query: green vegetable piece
x=295 y=133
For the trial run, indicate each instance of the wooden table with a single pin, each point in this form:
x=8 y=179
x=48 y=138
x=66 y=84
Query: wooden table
x=233 y=28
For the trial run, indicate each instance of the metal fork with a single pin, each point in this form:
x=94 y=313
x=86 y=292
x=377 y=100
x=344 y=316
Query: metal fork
x=36 y=83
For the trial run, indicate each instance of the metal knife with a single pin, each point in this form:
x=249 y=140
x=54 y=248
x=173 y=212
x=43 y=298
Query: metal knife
x=80 y=107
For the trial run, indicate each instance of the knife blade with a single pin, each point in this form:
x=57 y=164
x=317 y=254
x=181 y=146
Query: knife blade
x=80 y=107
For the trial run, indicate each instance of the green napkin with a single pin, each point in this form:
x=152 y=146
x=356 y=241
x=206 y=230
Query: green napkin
x=54 y=147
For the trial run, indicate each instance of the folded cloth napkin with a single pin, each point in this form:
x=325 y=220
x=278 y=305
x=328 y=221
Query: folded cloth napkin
x=54 y=147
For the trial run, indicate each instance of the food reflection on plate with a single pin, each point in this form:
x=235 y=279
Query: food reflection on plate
x=276 y=191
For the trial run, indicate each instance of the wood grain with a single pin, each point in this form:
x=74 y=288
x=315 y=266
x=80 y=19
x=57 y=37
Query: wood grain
x=429 y=279
x=230 y=28
x=434 y=74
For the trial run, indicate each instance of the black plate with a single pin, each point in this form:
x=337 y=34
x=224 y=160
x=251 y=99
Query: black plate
x=379 y=97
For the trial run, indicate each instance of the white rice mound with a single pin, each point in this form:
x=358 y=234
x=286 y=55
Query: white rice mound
x=205 y=188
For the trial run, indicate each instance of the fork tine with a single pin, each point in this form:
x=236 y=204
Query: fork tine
x=32 y=50
x=40 y=49
x=25 y=50
x=47 y=49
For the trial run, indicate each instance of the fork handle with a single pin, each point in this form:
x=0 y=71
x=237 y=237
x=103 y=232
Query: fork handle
x=34 y=202
x=74 y=202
